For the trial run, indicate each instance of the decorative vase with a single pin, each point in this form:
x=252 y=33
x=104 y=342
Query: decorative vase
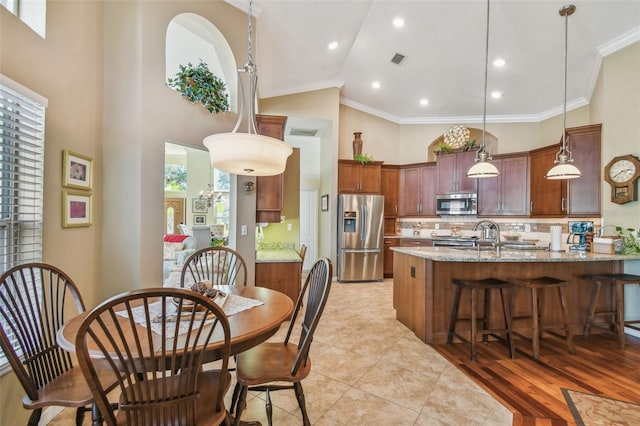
x=357 y=143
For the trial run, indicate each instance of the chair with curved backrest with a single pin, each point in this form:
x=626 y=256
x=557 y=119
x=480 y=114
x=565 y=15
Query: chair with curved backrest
x=302 y=254
x=219 y=265
x=35 y=301
x=259 y=367
x=156 y=341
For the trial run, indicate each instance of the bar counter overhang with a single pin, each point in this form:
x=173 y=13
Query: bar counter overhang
x=423 y=293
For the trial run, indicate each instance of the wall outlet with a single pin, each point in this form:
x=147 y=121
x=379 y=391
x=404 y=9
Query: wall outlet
x=289 y=227
x=437 y=226
x=527 y=227
x=243 y=230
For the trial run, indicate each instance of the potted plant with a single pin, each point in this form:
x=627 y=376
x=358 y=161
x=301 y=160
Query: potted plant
x=363 y=158
x=198 y=84
x=630 y=242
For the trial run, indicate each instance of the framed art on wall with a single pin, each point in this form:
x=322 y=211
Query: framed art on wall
x=199 y=206
x=199 y=219
x=76 y=209
x=77 y=170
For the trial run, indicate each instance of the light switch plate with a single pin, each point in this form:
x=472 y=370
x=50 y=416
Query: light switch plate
x=243 y=230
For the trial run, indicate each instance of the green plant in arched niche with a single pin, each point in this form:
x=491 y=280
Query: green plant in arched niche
x=198 y=84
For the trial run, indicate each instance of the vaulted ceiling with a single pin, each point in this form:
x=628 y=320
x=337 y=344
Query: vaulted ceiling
x=443 y=43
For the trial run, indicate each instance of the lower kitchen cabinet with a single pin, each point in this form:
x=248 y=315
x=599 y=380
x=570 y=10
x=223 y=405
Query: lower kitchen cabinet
x=285 y=277
x=388 y=256
x=409 y=291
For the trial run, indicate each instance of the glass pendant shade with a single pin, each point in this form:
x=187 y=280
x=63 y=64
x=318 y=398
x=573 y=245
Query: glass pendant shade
x=247 y=153
x=483 y=169
x=563 y=171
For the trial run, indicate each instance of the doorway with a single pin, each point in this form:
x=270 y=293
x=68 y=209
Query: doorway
x=174 y=214
x=309 y=225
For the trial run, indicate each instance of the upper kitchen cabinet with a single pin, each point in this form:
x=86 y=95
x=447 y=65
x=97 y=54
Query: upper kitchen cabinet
x=507 y=194
x=357 y=178
x=452 y=172
x=269 y=189
x=572 y=197
x=417 y=195
x=390 y=176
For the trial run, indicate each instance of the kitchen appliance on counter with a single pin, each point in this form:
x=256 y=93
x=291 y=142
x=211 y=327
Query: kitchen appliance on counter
x=360 y=237
x=579 y=229
x=456 y=204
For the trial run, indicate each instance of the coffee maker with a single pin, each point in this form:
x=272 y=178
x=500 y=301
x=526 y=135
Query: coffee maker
x=581 y=230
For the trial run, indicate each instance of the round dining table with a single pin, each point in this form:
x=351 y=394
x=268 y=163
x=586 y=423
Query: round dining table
x=248 y=328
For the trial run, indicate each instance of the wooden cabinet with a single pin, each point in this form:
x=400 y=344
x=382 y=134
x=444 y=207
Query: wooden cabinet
x=573 y=197
x=357 y=178
x=388 y=256
x=409 y=292
x=417 y=196
x=284 y=277
x=507 y=194
x=269 y=189
x=389 y=185
x=452 y=172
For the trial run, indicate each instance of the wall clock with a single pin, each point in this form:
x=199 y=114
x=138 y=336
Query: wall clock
x=622 y=174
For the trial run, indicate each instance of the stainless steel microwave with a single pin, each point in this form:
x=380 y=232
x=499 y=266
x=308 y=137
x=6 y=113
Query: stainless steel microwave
x=457 y=204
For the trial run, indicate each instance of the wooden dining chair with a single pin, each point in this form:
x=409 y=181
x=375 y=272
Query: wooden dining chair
x=156 y=341
x=261 y=366
x=36 y=299
x=219 y=265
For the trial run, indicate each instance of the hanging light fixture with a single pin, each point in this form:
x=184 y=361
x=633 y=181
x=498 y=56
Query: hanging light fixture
x=248 y=153
x=563 y=169
x=483 y=168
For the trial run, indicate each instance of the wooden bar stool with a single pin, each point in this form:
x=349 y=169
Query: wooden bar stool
x=617 y=281
x=486 y=285
x=535 y=284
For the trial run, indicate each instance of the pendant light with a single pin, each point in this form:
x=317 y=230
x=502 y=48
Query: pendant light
x=248 y=153
x=563 y=169
x=482 y=168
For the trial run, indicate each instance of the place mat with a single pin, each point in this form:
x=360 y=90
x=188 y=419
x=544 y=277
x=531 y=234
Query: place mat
x=231 y=305
x=589 y=409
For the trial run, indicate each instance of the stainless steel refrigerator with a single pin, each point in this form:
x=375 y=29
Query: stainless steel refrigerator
x=360 y=237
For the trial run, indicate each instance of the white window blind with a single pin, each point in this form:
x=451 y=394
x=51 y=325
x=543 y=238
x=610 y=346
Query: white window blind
x=21 y=176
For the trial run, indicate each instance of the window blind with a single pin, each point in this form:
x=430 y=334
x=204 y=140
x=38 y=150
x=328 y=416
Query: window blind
x=21 y=176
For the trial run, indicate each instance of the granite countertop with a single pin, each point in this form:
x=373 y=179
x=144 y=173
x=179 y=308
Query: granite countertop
x=447 y=254
x=276 y=252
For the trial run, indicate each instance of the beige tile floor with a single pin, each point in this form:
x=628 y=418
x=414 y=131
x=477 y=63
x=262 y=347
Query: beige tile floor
x=368 y=369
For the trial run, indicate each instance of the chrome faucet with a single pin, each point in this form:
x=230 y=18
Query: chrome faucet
x=490 y=232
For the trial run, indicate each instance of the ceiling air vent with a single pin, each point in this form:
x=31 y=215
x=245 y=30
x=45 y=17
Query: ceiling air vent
x=303 y=132
x=397 y=58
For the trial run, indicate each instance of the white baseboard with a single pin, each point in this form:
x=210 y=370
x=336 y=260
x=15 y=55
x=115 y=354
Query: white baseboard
x=49 y=414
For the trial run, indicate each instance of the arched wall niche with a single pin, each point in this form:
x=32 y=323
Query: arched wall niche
x=490 y=140
x=190 y=38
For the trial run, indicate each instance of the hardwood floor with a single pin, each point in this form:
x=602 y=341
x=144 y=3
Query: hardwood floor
x=532 y=389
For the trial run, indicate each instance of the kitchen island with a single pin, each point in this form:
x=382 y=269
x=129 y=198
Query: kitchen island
x=423 y=293
x=279 y=267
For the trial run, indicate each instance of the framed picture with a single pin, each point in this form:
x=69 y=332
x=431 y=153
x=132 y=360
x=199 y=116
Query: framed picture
x=199 y=206
x=324 y=202
x=76 y=209
x=77 y=170
x=199 y=219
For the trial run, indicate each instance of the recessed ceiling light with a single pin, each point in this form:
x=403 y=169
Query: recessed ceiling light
x=398 y=22
x=375 y=84
x=499 y=62
x=424 y=102
x=496 y=94
x=333 y=45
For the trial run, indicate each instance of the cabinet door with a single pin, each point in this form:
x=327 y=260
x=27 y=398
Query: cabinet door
x=584 y=192
x=269 y=191
x=546 y=194
x=489 y=193
x=284 y=277
x=410 y=191
x=446 y=170
x=370 y=178
x=390 y=178
x=388 y=256
x=428 y=190
x=348 y=178
x=514 y=193
x=464 y=161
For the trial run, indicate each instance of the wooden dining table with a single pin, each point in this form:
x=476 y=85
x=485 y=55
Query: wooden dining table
x=248 y=328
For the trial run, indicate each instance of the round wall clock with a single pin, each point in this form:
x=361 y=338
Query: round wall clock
x=622 y=174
